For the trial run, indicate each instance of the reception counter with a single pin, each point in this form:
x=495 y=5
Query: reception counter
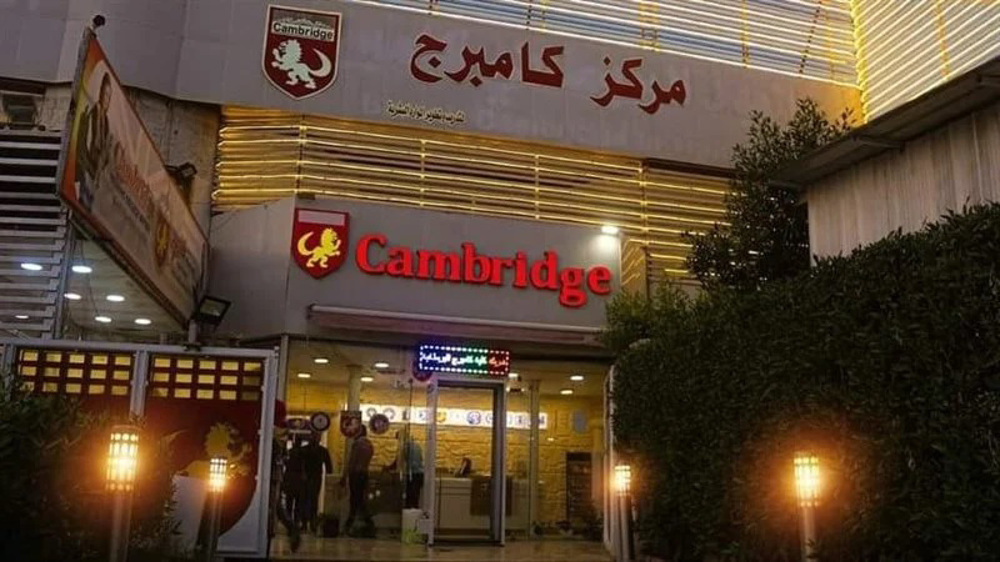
x=461 y=504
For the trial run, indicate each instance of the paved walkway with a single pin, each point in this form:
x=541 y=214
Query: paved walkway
x=379 y=550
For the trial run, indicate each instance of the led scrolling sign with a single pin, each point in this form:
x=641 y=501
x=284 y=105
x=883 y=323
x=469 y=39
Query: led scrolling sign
x=426 y=63
x=463 y=360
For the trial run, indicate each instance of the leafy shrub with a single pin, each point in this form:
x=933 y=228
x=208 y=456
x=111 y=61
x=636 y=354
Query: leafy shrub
x=885 y=363
x=764 y=234
x=54 y=508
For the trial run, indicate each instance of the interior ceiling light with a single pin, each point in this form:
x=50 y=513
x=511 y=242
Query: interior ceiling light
x=72 y=296
x=576 y=378
x=366 y=378
x=143 y=321
x=115 y=298
x=304 y=375
x=566 y=391
x=80 y=268
x=512 y=375
x=21 y=316
x=321 y=360
x=379 y=365
x=31 y=266
x=550 y=439
x=103 y=319
x=609 y=229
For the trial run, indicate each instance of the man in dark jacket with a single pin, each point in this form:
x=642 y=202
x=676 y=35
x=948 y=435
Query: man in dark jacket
x=316 y=462
x=356 y=475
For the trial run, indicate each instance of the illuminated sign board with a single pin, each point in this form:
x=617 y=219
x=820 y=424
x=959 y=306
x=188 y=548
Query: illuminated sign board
x=463 y=360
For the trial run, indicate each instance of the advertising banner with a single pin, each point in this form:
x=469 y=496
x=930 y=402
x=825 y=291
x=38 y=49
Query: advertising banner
x=458 y=417
x=116 y=182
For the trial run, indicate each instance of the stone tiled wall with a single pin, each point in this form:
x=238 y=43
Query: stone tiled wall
x=456 y=442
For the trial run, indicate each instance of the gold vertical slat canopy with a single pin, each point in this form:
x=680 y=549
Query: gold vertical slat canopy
x=265 y=155
x=907 y=48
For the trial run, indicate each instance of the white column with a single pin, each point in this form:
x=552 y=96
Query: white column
x=534 y=398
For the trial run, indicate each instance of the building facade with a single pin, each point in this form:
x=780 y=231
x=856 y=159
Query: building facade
x=360 y=180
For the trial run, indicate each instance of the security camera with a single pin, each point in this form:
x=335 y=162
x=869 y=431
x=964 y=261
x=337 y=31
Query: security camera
x=98 y=21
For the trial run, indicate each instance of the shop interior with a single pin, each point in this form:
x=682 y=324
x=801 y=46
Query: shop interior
x=102 y=301
x=569 y=445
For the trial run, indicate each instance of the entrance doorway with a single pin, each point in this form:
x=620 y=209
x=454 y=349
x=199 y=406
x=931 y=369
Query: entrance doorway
x=467 y=489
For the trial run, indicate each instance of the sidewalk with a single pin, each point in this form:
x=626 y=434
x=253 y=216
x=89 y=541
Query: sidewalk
x=378 y=550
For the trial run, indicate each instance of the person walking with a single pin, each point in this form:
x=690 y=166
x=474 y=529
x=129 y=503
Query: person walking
x=412 y=457
x=294 y=484
x=356 y=478
x=280 y=507
x=316 y=463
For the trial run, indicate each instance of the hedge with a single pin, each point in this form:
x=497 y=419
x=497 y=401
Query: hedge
x=885 y=363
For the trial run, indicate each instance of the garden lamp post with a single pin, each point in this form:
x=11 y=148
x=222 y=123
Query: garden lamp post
x=807 y=489
x=623 y=491
x=123 y=460
x=216 y=486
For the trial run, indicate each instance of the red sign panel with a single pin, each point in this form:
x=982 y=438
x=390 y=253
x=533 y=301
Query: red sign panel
x=300 y=50
x=319 y=240
x=320 y=246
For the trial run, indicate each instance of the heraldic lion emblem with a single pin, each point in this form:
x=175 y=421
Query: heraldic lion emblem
x=288 y=57
x=328 y=247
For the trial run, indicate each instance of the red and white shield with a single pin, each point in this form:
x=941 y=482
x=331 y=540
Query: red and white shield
x=300 y=50
x=319 y=240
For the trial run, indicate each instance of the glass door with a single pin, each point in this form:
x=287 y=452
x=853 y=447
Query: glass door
x=468 y=498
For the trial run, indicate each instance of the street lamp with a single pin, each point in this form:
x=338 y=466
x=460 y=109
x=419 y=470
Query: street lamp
x=807 y=485
x=216 y=485
x=123 y=461
x=622 y=484
x=623 y=479
x=217 y=475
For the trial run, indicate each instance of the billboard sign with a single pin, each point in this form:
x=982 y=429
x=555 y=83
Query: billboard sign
x=116 y=182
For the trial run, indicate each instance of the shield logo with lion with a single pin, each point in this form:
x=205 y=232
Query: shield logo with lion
x=319 y=240
x=301 y=48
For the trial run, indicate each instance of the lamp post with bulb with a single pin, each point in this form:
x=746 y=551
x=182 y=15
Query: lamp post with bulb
x=623 y=490
x=123 y=461
x=807 y=484
x=216 y=486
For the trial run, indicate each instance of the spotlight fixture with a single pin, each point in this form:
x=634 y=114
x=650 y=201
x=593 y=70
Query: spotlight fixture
x=80 y=268
x=366 y=378
x=115 y=298
x=143 y=321
x=304 y=375
x=103 y=319
x=566 y=391
x=380 y=365
x=610 y=229
x=576 y=378
x=321 y=360
x=211 y=310
x=73 y=296
x=513 y=376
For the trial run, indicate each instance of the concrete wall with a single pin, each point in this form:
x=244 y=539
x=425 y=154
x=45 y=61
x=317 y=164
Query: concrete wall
x=943 y=170
x=210 y=51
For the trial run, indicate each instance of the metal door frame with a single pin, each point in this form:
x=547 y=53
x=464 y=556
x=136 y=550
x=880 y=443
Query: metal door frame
x=498 y=492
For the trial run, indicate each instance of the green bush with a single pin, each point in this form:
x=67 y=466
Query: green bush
x=885 y=363
x=52 y=501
